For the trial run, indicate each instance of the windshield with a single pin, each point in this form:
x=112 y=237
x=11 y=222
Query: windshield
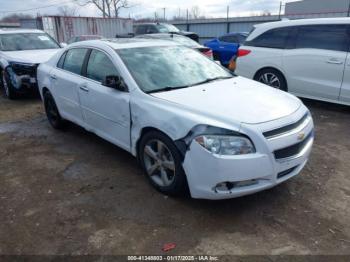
x=158 y=68
x=26 y=41
x=165 y=28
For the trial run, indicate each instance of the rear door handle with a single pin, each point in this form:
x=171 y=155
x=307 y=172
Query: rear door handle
x=84 y=88
x=334 y=61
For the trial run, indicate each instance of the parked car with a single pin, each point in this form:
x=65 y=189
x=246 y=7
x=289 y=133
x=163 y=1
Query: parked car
x=226 y=46
x=183 y=40
x=83 y=38
x=156 y=28
x=189 y=124
x=21 y=51
x=308 y=58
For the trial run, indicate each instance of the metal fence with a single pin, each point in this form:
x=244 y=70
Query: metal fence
x=62 y=28
x=211 y=28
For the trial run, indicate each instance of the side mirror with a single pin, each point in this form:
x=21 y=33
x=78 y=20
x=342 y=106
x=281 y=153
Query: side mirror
x=63 y=45
x=115 y=82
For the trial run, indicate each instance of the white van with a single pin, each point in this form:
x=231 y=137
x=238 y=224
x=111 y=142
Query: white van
x=308 y=57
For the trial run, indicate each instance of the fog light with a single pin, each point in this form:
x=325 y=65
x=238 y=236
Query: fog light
x=227 y=186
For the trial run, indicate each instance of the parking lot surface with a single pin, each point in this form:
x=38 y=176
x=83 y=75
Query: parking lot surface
x=73 y=193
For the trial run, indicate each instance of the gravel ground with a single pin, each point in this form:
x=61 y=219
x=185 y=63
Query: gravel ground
x=73 y=193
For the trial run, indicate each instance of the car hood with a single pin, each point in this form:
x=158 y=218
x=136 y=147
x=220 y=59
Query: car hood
x=237 y=99
x=31 y=56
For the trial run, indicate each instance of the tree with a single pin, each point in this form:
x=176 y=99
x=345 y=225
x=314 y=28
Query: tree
x=107 y=6
x=67 y=10
x=15 y=18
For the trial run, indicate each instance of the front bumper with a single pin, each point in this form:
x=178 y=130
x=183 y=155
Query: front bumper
x=246 y=174
x=22 y=81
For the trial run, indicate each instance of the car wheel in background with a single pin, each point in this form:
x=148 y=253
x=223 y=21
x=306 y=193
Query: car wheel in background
x=272 y=77
x=6 y=85
x=52 y=112
x=161 y=162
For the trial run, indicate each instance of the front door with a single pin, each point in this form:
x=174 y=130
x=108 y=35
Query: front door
x=106 y=110
x=315 y=65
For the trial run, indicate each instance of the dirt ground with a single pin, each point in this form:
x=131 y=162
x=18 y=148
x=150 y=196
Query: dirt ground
x=73 y=193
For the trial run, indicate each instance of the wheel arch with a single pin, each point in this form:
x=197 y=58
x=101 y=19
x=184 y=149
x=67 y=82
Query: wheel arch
x=273 y=68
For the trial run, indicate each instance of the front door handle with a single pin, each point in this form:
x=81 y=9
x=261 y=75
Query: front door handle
x=53 y=77
x=334 y=61
x=84 y=88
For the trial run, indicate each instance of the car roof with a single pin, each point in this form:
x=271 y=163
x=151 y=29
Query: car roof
x=262 y=28
x=123 y=43
x=19 y=31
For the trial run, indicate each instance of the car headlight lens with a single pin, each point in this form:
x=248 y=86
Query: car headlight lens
x=226 y=145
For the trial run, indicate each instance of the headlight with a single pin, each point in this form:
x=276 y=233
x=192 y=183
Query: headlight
x=226 y=145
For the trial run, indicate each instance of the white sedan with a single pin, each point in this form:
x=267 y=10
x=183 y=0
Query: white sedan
x=191 y=124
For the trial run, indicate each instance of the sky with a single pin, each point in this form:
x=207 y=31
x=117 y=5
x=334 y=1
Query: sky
x=146 y=8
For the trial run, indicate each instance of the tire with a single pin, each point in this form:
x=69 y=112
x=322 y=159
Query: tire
x=162 y=164
x=273 y=78
x=52 y=113
x=7 y=86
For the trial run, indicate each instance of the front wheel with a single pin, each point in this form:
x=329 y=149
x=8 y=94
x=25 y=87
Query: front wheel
x=273 y=78
x=7 y=86
x=162 y=164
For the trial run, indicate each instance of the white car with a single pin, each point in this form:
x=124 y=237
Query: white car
x=189 y=121
x=308 y=57
x=21 y=51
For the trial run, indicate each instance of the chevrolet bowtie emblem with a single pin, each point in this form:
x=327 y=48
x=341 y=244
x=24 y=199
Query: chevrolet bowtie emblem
x=301 y=136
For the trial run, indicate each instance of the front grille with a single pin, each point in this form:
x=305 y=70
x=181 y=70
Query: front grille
x=294 y=149
x=285 y=129
x=286 y=172
x=25 y=70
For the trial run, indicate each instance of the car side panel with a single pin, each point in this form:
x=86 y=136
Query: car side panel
x=249 y=65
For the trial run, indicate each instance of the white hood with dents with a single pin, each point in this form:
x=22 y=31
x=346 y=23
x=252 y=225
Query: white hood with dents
x=31 y=56
x=238 y=99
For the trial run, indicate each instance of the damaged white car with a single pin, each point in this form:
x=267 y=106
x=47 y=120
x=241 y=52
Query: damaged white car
x=21 y=51
x=191 y=123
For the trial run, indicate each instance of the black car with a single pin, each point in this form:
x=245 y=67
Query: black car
x=157 y=28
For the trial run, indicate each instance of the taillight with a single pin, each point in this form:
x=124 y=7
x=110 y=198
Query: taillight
x=243 y=52
x=209 y=53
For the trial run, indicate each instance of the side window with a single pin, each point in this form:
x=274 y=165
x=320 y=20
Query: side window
x=100 y=66
x=140 y=29
x=151 y=29
x=329 y=37
x=74 y=60
x=275 y=38
x=229 y=39
x=61 y=61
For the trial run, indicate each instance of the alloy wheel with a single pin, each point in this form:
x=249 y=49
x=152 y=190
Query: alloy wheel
x=270 y=79
x=159 y=163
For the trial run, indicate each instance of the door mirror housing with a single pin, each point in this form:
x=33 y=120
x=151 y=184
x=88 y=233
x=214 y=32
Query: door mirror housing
x=63 y=45
x=115 y=82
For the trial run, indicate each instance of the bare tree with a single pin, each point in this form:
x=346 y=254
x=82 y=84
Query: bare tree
x=109 y=8
x=67 y=10
x=15 y=18
x=195 y=12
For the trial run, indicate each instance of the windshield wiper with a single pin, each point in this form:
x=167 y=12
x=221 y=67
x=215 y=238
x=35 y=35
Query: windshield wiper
x=170 y=88
x=208 y=80
x=167 y=88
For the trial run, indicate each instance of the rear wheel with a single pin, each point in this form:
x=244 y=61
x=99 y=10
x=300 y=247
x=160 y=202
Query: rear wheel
x=273 y=78
x=52 y=112
x=161 y=163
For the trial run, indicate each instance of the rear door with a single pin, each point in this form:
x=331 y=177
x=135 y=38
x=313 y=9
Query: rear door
x=65 y=79
x=106 y=110
x=314 y=64
x=345 y=89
